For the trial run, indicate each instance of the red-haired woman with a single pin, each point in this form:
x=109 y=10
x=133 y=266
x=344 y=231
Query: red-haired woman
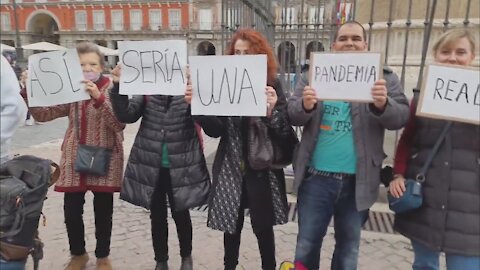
x=236 y=186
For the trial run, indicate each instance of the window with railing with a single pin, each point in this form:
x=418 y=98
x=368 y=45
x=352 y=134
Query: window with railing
x=117 y=20
x=81 y=20
x=98 y=20
x=6 y=25
x=205 y=19
x=155 y=19
x=174 y=19
x=315 y=16
x=136 y=19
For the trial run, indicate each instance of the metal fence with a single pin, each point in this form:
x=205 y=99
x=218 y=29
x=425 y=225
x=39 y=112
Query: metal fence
x=295 y=28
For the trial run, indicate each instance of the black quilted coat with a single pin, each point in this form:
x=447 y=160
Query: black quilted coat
x=165 y=119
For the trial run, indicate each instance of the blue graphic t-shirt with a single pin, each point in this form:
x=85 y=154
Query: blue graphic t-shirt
x=335 y=150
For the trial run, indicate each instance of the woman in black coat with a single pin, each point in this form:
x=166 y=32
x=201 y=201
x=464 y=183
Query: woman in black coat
x=166 y=160
x=236 y=186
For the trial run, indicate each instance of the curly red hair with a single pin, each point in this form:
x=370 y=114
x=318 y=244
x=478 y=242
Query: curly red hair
x=258 y=45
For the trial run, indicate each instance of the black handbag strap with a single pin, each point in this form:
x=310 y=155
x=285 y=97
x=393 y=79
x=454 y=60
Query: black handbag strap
x=421 y=175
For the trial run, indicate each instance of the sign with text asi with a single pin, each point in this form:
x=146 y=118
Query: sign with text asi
x=55 y=78
x=345 y=76
x=231 y=85
x=451 y=93
x=153 y=67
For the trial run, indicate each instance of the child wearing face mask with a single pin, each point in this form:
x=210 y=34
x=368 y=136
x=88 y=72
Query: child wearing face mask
x=99 y=127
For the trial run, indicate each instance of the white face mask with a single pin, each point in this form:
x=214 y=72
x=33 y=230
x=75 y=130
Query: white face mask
x=91 y=76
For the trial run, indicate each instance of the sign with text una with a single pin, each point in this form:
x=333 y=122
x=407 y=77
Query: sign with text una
x=153 y=67
x=451 y=93
x=231 y=85
x=55 y=78
x=345 y=76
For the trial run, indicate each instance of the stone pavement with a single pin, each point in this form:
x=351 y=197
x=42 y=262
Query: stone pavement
x=131 y=246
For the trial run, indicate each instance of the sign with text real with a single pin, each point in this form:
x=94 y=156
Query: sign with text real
x=451 y=93
x=55 y=78
x=345 y=76
x=153 y=67
x=231 y=85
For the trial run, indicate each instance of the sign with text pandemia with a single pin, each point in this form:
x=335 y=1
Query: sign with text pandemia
x=345 y=76
x=451 y=93
x=231 y=85
x=55 y=78
x=153 y=67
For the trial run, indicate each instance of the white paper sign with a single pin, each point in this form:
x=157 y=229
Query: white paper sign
x=153 y=67
x=55 y=78
x=345 y=76
x=451 y=93
x=231 y=85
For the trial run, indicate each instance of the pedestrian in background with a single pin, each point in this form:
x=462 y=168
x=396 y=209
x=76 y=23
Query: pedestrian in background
x=166 y=161
x=337 y=170
x=236 y=186
x=98 y=126
x=449 y=219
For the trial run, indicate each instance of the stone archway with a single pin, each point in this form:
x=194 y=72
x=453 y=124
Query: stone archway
x=206 y=48
x=313 y=46
x=286 y=56
x=43 y=26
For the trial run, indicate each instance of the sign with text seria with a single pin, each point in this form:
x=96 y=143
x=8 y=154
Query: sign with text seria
x=55 y=78
x=450 y=93
x=153 y=67
x=347 y=76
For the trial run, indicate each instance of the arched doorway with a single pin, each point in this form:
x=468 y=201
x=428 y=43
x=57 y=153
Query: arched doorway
x=286 y=56
x=44 y=27
x=206 y=48
x=314 y=46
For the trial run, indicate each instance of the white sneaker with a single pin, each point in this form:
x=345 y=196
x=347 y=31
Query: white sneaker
x=29 y=122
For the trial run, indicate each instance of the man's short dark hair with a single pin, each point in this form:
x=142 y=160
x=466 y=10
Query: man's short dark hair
x=351 y=22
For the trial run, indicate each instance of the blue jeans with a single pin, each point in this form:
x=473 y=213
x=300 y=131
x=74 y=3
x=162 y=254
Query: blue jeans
x=320 y=198
x=12 y=265
x=428 y=259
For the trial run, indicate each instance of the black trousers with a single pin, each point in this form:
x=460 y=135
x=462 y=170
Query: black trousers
x=73 y=210
x=158 y=217
x=266 y=244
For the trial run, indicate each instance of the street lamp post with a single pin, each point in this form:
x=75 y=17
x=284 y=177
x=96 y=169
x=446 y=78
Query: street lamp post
x=18 y=43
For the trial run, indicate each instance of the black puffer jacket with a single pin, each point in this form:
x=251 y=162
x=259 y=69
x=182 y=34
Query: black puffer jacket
x=449 y=219
x=166 y=119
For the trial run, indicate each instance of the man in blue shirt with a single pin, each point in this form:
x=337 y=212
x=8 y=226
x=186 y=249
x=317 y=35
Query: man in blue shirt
x=337 y=166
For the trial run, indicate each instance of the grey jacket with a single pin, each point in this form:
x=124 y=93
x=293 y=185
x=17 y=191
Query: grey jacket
x=368 y=129
x=449 y=219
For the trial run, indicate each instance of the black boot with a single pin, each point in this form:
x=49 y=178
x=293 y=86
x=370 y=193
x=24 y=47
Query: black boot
x=161 y=266
x=187 y=263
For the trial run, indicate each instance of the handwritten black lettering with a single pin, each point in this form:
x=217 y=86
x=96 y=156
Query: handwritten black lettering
x=156 y=63
x=463 y=90
x=438 y=86
x=127 y=65
x=249 y=86
x=36 y=80
x=476 y=99
x=68 y=74
x=448 y=89
x=42 y=69
x=143 y=67
x=176 y=67
x=349 y=73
